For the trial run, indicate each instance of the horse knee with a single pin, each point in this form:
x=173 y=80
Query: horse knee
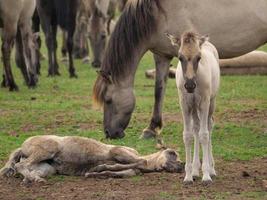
x=204 y=137
x=188 y=138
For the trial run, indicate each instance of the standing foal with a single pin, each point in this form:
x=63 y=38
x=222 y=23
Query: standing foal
x=197 y=79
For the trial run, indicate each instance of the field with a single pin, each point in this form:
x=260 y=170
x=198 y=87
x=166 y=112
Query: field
x=63 y=106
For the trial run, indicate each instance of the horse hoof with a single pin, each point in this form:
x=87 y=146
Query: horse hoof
x=73 y=76
x=188 y=182
x=13 y=88
x=147 y=134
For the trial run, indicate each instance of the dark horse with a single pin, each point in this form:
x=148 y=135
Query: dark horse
x=53 y=13
x=142 y=27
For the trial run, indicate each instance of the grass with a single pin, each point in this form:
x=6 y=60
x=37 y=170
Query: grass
x=63 y=106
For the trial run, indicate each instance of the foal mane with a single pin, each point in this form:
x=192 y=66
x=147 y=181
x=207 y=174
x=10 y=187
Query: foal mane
x=136 y=24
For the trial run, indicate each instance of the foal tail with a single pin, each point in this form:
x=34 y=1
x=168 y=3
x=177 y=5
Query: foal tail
x=9 y=168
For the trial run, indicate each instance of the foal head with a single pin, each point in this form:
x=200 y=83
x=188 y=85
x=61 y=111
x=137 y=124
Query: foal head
x=189 y=55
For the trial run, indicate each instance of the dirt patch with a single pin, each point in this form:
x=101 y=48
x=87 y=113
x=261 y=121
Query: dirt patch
x=231 y=183
x=253 y=115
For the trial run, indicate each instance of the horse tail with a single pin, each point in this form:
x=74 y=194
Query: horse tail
x=62 y=12
x=9 y=168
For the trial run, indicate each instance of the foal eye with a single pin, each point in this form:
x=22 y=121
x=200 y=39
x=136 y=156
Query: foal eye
x=198 y=58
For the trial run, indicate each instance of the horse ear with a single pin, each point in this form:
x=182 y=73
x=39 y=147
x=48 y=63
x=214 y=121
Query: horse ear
x=105 y=75
x=204 y=39
x=174 y=40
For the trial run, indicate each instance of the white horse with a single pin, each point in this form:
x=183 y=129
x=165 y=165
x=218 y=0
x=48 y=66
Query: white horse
x=197 y=79
x=16 y=17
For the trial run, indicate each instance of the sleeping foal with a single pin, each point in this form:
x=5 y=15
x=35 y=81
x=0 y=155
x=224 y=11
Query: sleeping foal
x=197 y=79
x=41 y=156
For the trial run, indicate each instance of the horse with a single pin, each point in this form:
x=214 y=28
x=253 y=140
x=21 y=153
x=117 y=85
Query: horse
x=142 y=27
x=41 y=156
x=16 y=24
x=102 y=13
x=197 y=80
x=53 y=13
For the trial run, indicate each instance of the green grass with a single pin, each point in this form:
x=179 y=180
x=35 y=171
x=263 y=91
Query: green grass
x=63 y=106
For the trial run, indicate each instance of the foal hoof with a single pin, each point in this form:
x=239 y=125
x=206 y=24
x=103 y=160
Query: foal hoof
x=7 y=172
x=206 y=182
x=148 y=134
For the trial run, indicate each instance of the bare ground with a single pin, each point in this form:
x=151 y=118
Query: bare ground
x=236 y=180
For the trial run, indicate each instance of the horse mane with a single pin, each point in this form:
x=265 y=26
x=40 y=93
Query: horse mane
x=136 y=24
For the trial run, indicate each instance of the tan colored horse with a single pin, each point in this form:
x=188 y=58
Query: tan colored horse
x=197 y=79
x=16 y=16
x=142 y=27
x=41 y=156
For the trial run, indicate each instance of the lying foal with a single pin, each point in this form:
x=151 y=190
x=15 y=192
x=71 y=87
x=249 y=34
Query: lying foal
x=41 y=156
x=197 y=79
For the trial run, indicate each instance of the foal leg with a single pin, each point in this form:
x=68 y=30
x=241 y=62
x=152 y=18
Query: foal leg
x=210 y=126
x=196 y=161
x=26 y=166
x=204 y=139
x=162 y=70
x=188 y=139
x=110 y=174
x=115 y=167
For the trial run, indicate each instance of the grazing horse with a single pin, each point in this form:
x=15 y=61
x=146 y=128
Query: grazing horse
x=41 y=156
x=15 y=20
x=101 y=14
x=142 y=27
x=197 y=79
x=53 y=13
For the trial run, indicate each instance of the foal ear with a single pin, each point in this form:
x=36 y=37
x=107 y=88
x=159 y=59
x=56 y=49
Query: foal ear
x=174 y=40
x=203 y=39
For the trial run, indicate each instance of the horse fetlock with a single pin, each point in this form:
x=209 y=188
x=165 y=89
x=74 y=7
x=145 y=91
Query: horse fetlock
x=212 y=172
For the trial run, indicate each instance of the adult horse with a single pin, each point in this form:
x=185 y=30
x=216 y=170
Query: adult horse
x=101 y=14
x=142 y=27
x=53 y=13
x=15 y=20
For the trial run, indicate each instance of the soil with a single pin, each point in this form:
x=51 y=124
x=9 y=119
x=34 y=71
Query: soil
x=235 y=180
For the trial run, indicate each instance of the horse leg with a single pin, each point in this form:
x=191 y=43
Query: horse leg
x=8 y=38
x=162 y=70
x=26 y=166
x=188 y=139
x=20 y=58
x=115 y=167
x=125 y=155
x=37 y=41
x=29 y=52
x=196 y=161
x=204 y=136
x=49 y=26
x=54 y=36
x=111 y=174
x=71 y=29
x=210 y=126
x=64 y=45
